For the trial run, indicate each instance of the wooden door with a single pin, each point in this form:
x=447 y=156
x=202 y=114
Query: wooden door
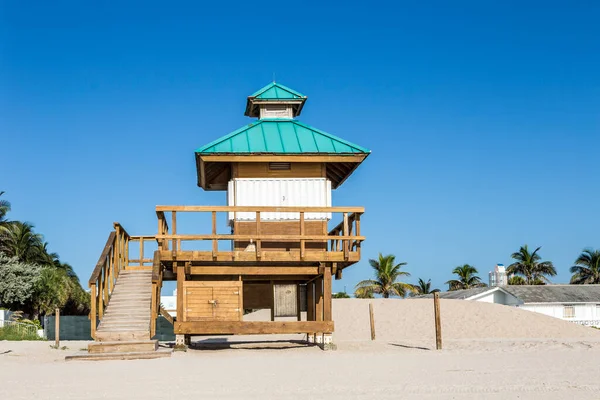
x=197 y=303
x=212 y=301
x=226 y=306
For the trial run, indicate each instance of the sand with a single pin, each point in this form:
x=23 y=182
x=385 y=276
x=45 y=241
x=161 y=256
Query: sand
x=412 y=320
x=490 y=352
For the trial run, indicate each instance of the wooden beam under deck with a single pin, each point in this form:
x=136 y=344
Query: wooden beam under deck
x=254 y=270
x=251 y=327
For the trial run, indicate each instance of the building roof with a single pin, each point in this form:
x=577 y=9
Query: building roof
x=534 y=293
x=275 y=136
x=555 y=293
x=460 y=294
x=276 y=91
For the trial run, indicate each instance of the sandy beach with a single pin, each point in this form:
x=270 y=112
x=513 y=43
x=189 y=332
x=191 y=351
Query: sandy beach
x=490 y=351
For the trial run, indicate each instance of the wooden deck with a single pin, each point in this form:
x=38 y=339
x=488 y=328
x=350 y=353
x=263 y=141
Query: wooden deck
x=179 y=255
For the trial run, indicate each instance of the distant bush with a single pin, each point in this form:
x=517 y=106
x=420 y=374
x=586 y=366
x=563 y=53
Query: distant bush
x=16 y=332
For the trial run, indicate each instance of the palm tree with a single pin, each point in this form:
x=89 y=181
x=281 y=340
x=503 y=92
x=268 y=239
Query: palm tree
x=424 y=287
x=364 y=293
x=467 y=278
x=385 y=283
x=4 y=209
x=516 y=280
x=20 y=241
x=341 y=295
x=530 y=267
x=587 y=268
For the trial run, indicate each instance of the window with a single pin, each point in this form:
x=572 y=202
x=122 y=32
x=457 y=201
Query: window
x=568 y=312
x=276 y=111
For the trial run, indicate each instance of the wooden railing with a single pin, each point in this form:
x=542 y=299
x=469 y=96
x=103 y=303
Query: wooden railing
x=103 y=279
x=140 y=241
x=349 y=225
x=157 y=278
x=115 y=258
x=345 y=237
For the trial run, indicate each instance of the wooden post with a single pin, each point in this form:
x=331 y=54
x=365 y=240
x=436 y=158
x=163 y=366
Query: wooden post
x=57 y=328
x=258 y=241
x=357 y=222
x=302 y=241
x=153 y=311
x=174 y=230
x=310 y=301
x=160 y=231
x=241 y=298
x=93 y=310
x=372 y=319
x=100 y=298
x=272 y=301
x=106 y=282
x=319 y=307
x=141 y=251
x=180 y=292
x=298 y=302
x=215 y=244
x=116 y=245
x=345 y=241
x=126 y=251
x=327 y=294
x=438 y=325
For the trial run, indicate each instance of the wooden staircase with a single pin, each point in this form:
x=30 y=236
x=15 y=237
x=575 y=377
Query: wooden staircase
x=125 y=304
x=127 y=316
x=124 y=331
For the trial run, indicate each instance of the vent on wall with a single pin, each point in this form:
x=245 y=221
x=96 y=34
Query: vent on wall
x=280 y=166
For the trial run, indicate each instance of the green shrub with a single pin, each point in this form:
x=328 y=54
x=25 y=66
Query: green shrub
x=13 y=332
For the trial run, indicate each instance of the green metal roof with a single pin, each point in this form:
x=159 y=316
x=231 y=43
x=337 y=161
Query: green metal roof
x=277 y=91
x=281 y=137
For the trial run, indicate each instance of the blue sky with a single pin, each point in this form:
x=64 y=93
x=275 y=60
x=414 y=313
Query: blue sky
x=482 y=118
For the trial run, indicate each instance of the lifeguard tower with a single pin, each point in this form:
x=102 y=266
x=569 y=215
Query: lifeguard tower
x=284 y=240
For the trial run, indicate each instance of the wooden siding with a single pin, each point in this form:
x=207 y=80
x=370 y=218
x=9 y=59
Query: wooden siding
x=257 y=295
x=297 y=170
x=281 y=228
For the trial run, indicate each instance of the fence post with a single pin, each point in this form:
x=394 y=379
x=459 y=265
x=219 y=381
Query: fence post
x=57 y=328
x=372 y=318
x=438 y=325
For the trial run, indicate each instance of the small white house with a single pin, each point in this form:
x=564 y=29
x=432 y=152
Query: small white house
x=576 y=303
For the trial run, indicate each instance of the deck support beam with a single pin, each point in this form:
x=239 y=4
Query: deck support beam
x=319 y=307
x=250 y=327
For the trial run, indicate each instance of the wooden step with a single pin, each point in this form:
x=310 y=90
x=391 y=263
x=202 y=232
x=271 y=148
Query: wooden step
x=125 y=316
x=113 y=326
x=122 y=335
x=120 y=322
x=122 y=319
x=134 y=302
x=136 y=355
x=130 y=298
x=126 y=313
x=123 y=347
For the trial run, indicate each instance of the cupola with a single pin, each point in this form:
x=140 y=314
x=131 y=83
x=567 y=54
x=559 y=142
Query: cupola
x=275 y=101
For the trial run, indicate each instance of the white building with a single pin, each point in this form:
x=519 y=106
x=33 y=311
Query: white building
x=576 y=303
x=169 y=303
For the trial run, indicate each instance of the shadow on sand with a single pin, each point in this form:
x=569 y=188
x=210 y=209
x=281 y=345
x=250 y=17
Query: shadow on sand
x=409 y=347
x=223 y=344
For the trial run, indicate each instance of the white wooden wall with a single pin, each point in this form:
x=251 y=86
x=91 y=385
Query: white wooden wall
x=271 y=192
